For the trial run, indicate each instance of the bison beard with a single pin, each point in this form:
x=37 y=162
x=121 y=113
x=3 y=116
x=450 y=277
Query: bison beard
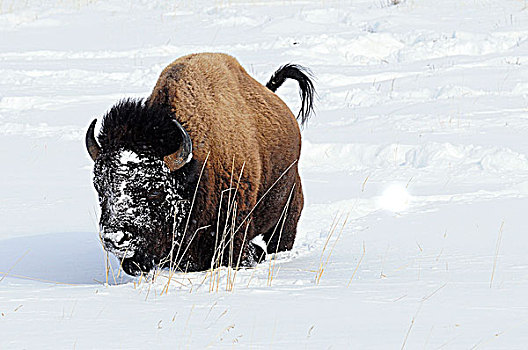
x=189 y=177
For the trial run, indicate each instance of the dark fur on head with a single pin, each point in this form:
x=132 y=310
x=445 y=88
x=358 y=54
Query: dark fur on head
x=140 y=127
x=142 y=203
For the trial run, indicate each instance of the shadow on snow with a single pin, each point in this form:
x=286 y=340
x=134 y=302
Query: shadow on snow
x=71 y=258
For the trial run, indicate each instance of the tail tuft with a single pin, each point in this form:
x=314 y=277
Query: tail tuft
x=306 y=87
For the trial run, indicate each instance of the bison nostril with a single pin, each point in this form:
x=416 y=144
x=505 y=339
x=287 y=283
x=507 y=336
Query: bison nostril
x=115 y=238
x=108 y=242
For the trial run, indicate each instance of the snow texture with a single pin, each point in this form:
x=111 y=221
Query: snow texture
x=127 y=156
x=419 y=143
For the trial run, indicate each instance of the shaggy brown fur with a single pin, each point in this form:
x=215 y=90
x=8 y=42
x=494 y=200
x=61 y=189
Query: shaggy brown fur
x=238 y=125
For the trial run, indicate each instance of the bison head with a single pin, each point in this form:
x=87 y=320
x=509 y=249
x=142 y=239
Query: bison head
x=142 y=147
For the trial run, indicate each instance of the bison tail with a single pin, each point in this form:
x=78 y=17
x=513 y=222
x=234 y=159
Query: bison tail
x=307 y=90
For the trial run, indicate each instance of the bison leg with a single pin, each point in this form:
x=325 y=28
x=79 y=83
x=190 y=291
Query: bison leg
x=250 y=254
x=254 y=255
x=282 y=236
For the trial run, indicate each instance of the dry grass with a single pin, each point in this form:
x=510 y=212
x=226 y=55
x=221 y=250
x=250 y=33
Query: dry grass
x=13 y=266
x=413 y=320
x=266 y=193
x=357 y=267
x=41 y=279
x=231 y=229
x=330 y=233
x=497 y=248
x=171 y=257
x=238 y=262
x=227 y=236
x=108 y=265
x=324 y=262
x=364 y=183
x=284 y=214
x=411 y=325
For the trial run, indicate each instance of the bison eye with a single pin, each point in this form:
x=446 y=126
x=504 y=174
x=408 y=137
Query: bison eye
x=155 y=196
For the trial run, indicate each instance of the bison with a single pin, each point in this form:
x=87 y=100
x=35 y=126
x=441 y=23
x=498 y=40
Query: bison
x=191 y=175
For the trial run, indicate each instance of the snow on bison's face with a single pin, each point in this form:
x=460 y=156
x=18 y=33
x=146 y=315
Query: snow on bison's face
x=137 y=168
x=139 y=202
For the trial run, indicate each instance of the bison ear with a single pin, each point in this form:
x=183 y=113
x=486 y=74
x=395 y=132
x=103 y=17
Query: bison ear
x=91 y=144
x=183 y=155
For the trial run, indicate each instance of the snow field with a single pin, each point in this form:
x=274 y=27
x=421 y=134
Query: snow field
x=427 y=96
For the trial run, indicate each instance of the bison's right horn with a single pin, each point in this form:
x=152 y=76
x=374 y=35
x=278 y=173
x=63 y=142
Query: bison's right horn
x=183 y=155
x=91 y=144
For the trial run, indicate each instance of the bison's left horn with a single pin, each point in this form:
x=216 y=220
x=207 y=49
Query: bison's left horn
x=184 y=154
x=91 y=144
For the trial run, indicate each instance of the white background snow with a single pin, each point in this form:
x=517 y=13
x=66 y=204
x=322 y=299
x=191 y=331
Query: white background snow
x=420 y=138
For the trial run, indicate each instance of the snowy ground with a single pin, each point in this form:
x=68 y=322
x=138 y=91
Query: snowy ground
x=419 y=137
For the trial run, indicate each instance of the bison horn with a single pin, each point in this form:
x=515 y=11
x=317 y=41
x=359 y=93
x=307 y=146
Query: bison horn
x=91 y=144
x=183 y=155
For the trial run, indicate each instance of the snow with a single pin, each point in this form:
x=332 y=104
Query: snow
x=395 y=198
x=414 y=169
x=127 y=156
